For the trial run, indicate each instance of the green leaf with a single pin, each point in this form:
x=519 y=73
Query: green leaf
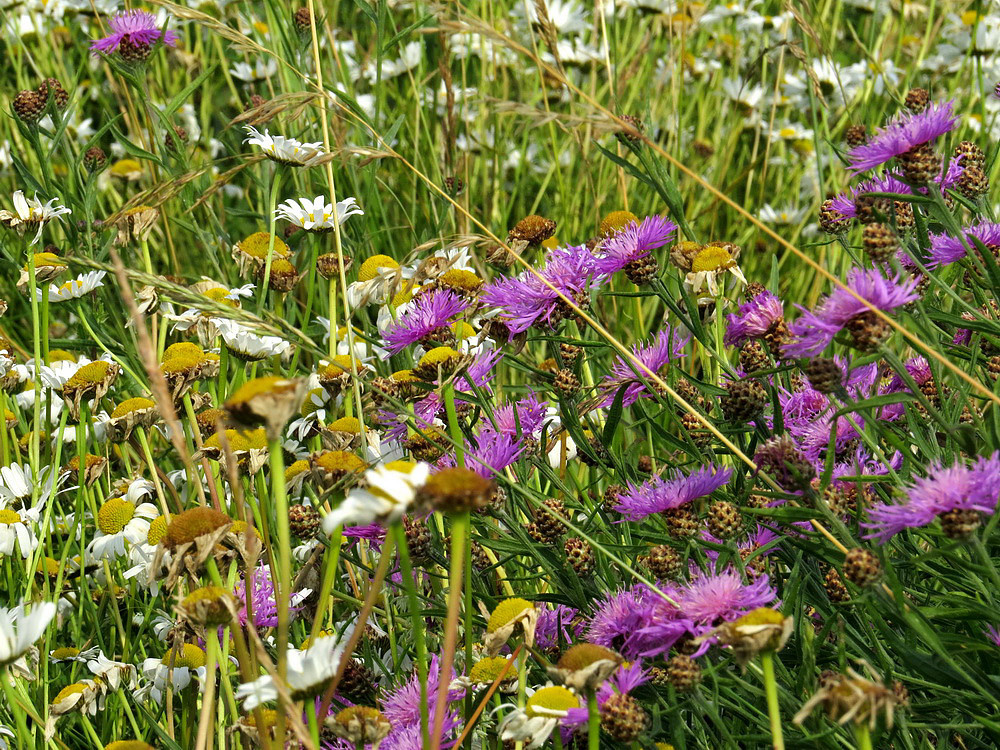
x=614 y=416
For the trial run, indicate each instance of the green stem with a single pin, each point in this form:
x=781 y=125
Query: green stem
x=271 y=203
x=593 y=722
x=864 y=736
x=771 y=691
x=45 y=323
x=279 y=496
x=406 y=568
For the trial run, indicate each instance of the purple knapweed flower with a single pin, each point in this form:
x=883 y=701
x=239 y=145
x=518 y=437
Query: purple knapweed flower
x=428 y=313
x=262 y=600
x=488 y=455
x=526 y=300
x=658 y=495
x=524 y=417
x=902 y=134
x=814 y=331
x=754 y=319
x=556 y=621
x=633 y=243
x=993 y=634
x=138 y=26
x=958 y=487
x=623 y=681
x=712 y=597
x=402 y=705
x=946 y=249
x=618 y=616
x=667 y=346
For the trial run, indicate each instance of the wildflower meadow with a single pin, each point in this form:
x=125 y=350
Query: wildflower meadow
x=499 y=374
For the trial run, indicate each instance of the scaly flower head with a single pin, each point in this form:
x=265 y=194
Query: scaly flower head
x=899 y=136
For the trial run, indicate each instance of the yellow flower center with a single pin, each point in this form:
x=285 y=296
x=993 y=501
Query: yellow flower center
x=761 y=616
x=551 y=243
x=371 y=267
x=114 y=515
x=128 y=745
x=338 y=365
x=403 y=296
x=189 y=655
x=9 y=516
x=50 y=260
x=617 y=221
x=270 y=384
x=438 y=355
x=462 y=330
x=261 y=27
x=211 y=594
x=132 y=404
x=362 y=714
x=240 y=440
x=552 y=698
x=488 y=670
x=970 y=18
x=61 y=355
x=711 y=258
x=186 y=527
x=339 y=461
x=69 y=691
x=182 y=349
x=89 y=374
x=460 y=279
x=505 y=613
x=584 y=654
x=66 y=652
x=403 y=467
x=157 y=528
x=221 y=295
x=403 y=376
x=257 y=243
x=298 y=467
x=125 y=167
x=310 y=405
x=346 y=424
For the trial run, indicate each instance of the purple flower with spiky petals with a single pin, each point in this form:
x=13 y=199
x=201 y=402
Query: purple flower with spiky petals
x=402 y=705
x=633 y=243
x=140 y=28
x=409 y=736
x=524 y=417
x=958 y=487
x=814 y=331
x=262 y=599
x=902 y=134
x=993 y=634
x=712 y=597
x=667 y=346
x=892 y=182
x=526 y=300
x=658 y=495
x=556 y=621
x=946 y=249
x=428 y=313
x=618 y=616
x=754 y=319
x=490 y=454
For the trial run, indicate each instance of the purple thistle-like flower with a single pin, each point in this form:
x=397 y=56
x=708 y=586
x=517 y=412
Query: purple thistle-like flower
x=658 y=495
x=524 y=417
x=667 y=347
x=526 y=300
x=957 y=487
x=711 y=597
x=900 y=135
x=633 y=243
x=490 y=454
x=409 y=736
x=619 y=616
x=946 y=249
x=138 y=25
x=892 y=182
x=402 y=705
x=429 y=312
x=814 y=331
x=556 y=621
x=754 y=319
x=993 y=634
x=262 y=599
x=623 y=681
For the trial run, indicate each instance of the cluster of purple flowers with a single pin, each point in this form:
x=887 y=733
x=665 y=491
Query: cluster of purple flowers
x=658 y=495
x=903 y=134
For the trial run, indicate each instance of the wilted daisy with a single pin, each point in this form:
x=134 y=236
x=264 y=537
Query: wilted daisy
x=309 y=673
x=705 y=264
x=175 y=671
x=317 y=215
x=287 y=151
x=32 y=212
x=19 y=629
x=389 y=491
x=74 y=288
x=381 y=280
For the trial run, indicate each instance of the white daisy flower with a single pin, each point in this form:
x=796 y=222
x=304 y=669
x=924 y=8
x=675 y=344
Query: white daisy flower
x=783 y=216
x=73 y=654
x=112 y=673
x=248 y=345
x=31 y=212
x=389 y=491
x=176 y=669
x=74 y=288
x=17 y=482
x=261 y=70
x=284 y=150
x=20 y=630
x=540 y=715
x=316 y=215
x=18 y=526
x=121 y=519
x=309 y=672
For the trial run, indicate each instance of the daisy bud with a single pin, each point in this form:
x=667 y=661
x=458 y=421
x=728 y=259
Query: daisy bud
x=360 y=725
x=209 y=606
x=269 y=401
x=455 y=490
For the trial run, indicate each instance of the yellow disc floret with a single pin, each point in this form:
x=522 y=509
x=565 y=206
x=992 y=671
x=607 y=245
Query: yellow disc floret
x=132 y=404
x=711 y=258
x=370 y=268
x=89 y=374
x=617 y=221
x=189 y=655
x=114 y=515
x=552 y=700
x=256 y=245
x=505 y=612
x=9 y=516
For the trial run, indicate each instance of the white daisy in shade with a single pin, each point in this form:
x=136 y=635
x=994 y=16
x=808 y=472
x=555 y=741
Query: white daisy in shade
x=389 y=491
x=19 y=629
x=112 y=673
x=29 y=213
x=74 y=288
x=316 y=215
x=309 y=673
x=533 y=724
x=261 y=70
x=244 y=343
x=121 y=519
x=286 y=151
x=17 y=482
x=176 y=669
x=17 y=527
